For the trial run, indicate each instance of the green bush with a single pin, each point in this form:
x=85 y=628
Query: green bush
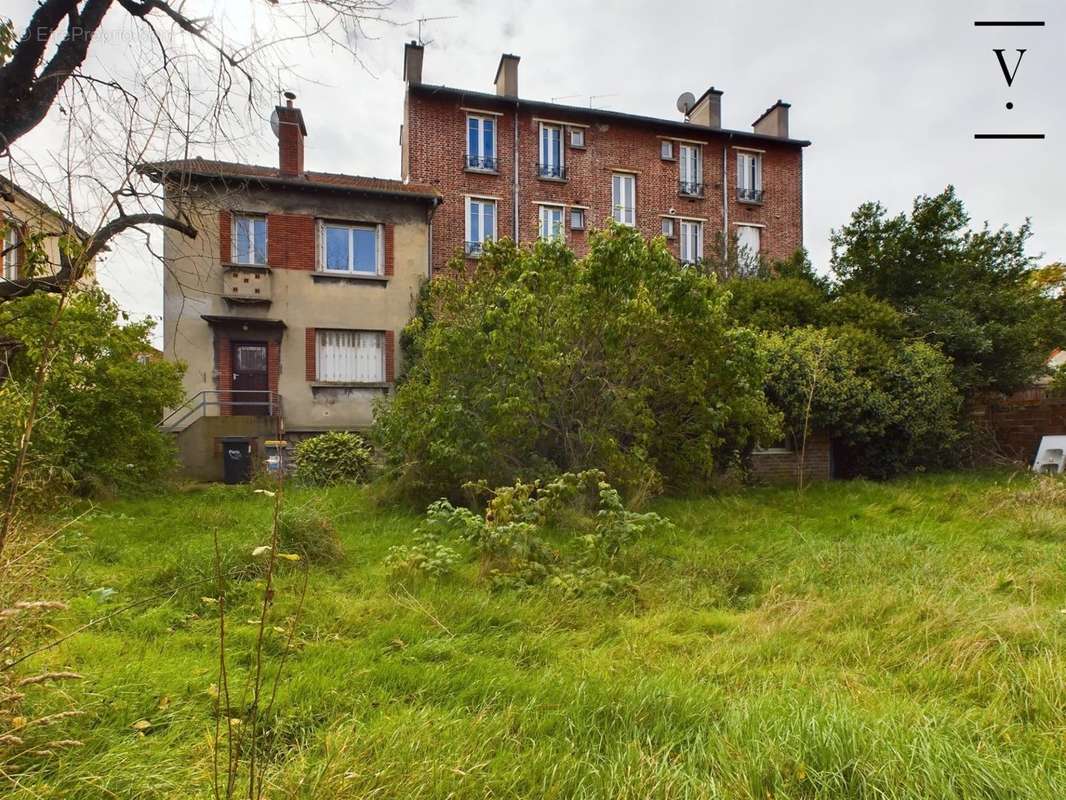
x=332 y=458
x=95 y=429
x=307 y=531
x=540 y=363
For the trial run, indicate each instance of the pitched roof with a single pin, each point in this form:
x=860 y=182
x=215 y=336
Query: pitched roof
x=221 y=170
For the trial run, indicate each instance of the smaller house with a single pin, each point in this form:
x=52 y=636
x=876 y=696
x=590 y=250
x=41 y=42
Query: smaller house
x=22 y=216
x=287 y=306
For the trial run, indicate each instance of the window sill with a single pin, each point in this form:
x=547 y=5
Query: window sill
x=552 y=179
x=687 y=196
x=318 y=275
x=749 y=202
x=476 y=171
x=235 y=265
x=348 y=385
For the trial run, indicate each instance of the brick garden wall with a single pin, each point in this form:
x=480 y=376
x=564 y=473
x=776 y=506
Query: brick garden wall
x=784 y=468
x=1016 y=424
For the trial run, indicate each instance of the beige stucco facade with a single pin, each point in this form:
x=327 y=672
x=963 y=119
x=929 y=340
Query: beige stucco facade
x=301 y=299
x=26 y=215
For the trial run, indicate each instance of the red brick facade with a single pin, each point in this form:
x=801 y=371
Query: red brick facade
x=435 y=130
x=1016 y=424
x=389 y=250
x=310 y=355
x=784 y=467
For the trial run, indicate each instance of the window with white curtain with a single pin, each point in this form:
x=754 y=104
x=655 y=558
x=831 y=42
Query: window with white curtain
x=249 y=239
x=551 y=222
x=749 y=177
x=551 y=152
x=690 y=170
x=350 y=356
x=624 y=198
x=481 y=143
x=691 y=241
x=11 y=253
x=749 y=244
x=480 y=224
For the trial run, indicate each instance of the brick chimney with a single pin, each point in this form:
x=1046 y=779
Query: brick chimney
x=707 y=110
x=507 y=76
x=290 y=132
x=412 y=62
x=774 y=121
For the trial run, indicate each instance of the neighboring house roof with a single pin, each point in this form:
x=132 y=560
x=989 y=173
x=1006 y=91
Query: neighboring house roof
x=271 y=176
x=9 y=190
x=598 y=113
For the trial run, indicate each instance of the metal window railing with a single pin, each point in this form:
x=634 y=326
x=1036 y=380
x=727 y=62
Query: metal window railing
x=746 y=195
x=474 y=249
x=556 y=171
x=224 y=401
x=486 y=163
x=690 y=188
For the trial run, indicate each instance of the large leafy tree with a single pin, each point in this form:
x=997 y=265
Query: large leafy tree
x=540 y=362
x=969 y=291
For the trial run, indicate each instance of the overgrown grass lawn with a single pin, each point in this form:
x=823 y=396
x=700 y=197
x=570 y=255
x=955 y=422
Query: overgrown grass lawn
x=857 y=641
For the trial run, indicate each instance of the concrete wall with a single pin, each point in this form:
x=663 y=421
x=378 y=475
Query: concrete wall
x=32 y=217
x=200 y=447
x=301 y=299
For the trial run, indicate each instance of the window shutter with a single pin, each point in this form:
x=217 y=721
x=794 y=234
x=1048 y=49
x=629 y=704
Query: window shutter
x=225 y=236
x=389 y=233
x=309 y=355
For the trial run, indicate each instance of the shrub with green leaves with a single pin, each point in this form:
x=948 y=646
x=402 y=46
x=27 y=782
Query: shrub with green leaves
x=540 y=362
x=95 y=428
x=309 y=532
x=331 y=458
x=509 y=538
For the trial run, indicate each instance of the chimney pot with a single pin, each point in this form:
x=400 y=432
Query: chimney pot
x=507 y=76
x=707 y=110
x=412 y=62
x=291 y=134
x=774 y=121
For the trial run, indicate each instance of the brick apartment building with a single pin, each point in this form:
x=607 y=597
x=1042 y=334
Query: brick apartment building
x=287 y=306
x=518 y=168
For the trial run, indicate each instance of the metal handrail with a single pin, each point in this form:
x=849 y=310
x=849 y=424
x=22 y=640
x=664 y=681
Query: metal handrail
x=552 y=171
x=749 y=195
x=206 y=398
x=482 y=163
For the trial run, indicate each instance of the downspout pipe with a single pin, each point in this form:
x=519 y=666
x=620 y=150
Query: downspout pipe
x=725 y=197
x=514 y=190
x=429 y=233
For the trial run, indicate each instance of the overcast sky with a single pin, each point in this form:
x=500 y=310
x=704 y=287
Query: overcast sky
x=890 y=94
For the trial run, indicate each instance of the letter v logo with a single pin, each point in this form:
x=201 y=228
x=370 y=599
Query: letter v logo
x=1008 y=74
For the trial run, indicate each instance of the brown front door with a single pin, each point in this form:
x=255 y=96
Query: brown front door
x=250 y=383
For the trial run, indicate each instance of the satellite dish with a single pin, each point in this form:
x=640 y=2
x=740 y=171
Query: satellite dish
x=274 y=124
x=685 y=102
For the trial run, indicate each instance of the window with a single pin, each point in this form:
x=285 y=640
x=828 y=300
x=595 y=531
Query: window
x=249 y=240
x=690 y=170
x=623 y=198
x=577 y=219
x=11 y=253
x=480 y=224
x=668 y=227
x=748 y=244
x=577 y=137
x=691 y=241
x=351 y=248
x=666 y=150
x=551 y=222
x=749 y=177
x=350 y=356
x=551 y=152
x=481 y=143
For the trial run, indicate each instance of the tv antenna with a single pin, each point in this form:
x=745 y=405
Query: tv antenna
x=421 y=21
x=590 y=97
